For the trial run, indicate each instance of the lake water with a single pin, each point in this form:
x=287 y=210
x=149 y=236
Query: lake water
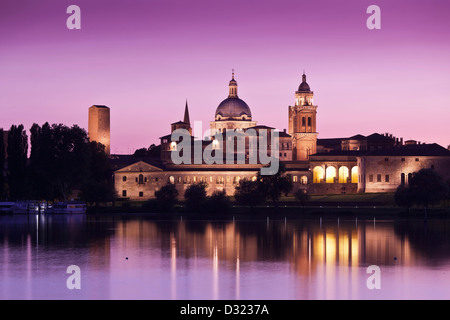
x=134 y=257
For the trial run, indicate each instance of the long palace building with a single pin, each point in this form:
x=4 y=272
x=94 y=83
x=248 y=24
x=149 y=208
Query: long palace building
x=374 y=163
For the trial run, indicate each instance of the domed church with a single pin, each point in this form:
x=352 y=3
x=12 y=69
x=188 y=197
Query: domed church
x=356 y=164
x=232 y=113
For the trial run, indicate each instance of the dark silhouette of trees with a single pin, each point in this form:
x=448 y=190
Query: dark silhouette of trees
x=448 y=194
x=218 y=202
x=403 y=197
x=273 y=186
x=302 y=196
x=3 y=185
x=195 y=197
x=17 y=151
x=425 y=188
x=63 y=160
x=249 y=193
x=153 y=151
x=97 y=186
x=166 y=197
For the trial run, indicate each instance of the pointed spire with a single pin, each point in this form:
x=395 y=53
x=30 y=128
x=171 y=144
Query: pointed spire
x=186 y=114
x=304 y=76
x=232 y=74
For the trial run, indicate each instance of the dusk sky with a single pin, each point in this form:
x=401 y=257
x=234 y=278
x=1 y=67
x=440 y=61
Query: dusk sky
x=143 y=59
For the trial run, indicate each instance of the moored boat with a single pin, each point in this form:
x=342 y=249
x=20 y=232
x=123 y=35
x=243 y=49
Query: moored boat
x=69 y=207
x=7 y=207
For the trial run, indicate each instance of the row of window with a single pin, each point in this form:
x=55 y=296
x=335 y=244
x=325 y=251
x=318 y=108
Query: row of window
x=218 y=180
x=404 y=178
x=124 y=193
x=140 y=179
x=379 y=176
x=402 y=159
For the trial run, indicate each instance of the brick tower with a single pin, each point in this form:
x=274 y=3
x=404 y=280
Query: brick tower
x=99 y=129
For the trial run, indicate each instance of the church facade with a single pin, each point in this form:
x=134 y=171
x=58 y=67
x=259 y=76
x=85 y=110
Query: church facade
x=374 y=163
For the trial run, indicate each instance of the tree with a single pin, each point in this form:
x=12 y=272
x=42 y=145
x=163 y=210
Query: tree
x=403 y=197
x=42 y=159
x=195 y=196
x=302 y=196
x=97 y=186
x=249 y=193
x=63 y=160
x=427 y=188
x=3 y=185
x=275 y=185
x=448 y=194
x=218 y=202
x=17 y=151
x=166 y=197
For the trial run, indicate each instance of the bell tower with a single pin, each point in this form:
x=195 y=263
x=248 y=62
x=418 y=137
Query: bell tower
x=302 y=123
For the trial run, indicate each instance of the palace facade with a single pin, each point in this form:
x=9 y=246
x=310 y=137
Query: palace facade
x=374 y=163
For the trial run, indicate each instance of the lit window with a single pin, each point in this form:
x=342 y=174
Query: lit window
x=304 y=180
x=294 y=179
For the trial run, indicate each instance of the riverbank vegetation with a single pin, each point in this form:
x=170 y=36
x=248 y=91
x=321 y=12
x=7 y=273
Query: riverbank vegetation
x=62 y=163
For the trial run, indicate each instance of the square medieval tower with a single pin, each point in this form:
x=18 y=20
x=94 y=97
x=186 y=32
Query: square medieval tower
x=99 y=129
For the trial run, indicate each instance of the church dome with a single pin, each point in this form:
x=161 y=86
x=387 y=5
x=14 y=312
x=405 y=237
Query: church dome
x=233 y=108
x=304 y=86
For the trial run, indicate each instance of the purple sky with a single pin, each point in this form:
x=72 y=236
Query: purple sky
x=143 y=59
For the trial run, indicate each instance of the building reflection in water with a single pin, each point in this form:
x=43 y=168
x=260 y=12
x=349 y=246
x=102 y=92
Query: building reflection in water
x=184 y=259
x=312 y=250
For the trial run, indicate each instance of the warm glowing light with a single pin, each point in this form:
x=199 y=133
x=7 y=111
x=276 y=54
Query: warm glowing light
x=330 y=247
x=331 y=174
x=343 y=174
x=318 y=175
x=355 y=174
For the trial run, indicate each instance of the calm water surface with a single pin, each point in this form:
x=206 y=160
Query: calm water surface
x=134 y=257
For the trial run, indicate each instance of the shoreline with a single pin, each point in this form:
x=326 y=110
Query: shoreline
x=280 y=213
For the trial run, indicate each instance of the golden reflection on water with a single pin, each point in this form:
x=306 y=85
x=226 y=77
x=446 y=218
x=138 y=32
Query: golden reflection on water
x=305 y=245
x=300 y=259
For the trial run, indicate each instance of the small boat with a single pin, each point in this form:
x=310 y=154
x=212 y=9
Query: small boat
x=7 y=207
x=29 y=206
x=68 y=207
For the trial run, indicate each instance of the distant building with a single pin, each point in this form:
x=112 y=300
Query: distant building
x=384 y=170
x=99 y=125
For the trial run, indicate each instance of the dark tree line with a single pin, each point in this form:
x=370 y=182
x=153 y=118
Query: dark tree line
x=425 y=189
x=62 y=160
